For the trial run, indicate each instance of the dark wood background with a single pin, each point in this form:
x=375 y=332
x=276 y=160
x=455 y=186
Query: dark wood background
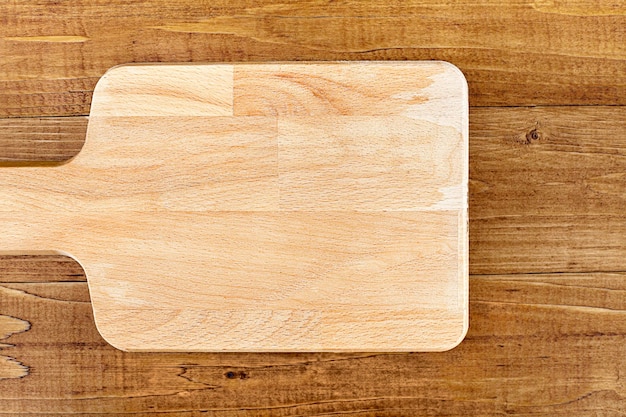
x=547 y=85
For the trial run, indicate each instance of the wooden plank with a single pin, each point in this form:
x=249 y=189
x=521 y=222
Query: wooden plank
x=513 y=53
x=39 y=268
x=541 y=345
x=546 y=188
x=41 y=139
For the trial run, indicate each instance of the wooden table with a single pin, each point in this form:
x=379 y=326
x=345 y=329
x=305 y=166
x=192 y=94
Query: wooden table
x=547 y=209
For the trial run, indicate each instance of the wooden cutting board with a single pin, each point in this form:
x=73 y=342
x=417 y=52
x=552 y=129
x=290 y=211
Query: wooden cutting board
x=263 y=207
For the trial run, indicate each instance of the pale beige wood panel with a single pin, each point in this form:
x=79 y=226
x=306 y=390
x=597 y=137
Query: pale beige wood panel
x=373 y=163
x=144 y=90
x=278 y=281
x=255 y=163
x=176 y=212
x=372 y=88
x=273 y=330
x=189 y=163
x=351 y=260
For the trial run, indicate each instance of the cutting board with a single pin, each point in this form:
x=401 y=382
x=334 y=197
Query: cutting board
x=263 y=207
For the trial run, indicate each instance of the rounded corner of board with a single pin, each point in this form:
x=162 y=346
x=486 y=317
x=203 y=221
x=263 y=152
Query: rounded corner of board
x=103 y=331
x=456 y=71
x=111 y=340
x=109 y=73
x=456 y=342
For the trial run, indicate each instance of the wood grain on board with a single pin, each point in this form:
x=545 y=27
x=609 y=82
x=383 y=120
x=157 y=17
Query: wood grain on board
x=336 y=220
x=538 y=345
x=522 y=52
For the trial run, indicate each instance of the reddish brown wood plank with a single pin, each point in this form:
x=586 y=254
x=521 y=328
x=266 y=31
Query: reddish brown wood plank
x=547 y=189
x=52 y=139
x=513 y=53
x=39 y=268
x=552 y=345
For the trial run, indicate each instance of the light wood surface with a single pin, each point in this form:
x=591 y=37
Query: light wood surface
x=545 y=339
x=253 y=207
